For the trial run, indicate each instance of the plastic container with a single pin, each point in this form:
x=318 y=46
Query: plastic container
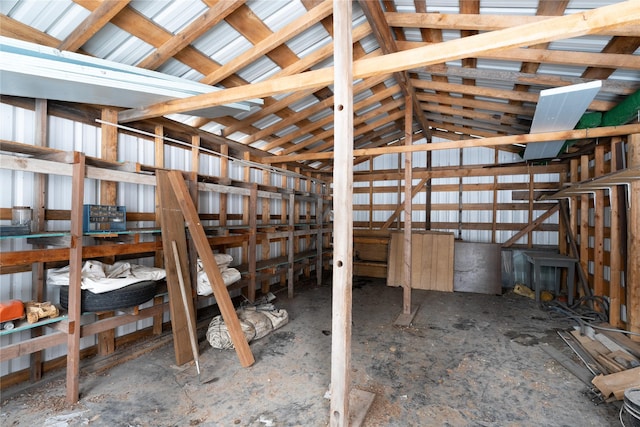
x=21 y=215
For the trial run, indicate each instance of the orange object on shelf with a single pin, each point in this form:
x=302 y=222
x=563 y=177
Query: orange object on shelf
x=11 y=310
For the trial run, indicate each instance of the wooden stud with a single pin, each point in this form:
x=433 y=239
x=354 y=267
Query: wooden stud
x=343 y=216
x=598 y=227
x=615 y=241
x=584 y=219
x=633 y=236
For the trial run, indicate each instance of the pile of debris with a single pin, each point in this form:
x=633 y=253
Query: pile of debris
x=610 y=360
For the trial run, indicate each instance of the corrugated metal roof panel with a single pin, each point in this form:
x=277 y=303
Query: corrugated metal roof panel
x=174 y=16
x=222 y=43
x=259 y=70
x=277 y=14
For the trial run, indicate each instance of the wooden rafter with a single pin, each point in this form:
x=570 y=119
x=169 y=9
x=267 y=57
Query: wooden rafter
x=216 y=13
x=93 y=23
x=589 y=22
x=375 y=15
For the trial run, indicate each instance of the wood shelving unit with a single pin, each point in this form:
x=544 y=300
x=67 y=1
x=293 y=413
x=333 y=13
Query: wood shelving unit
x=57 y=248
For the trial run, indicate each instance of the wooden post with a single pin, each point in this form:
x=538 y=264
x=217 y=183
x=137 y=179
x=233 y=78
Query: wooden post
x=408 y=312
x=158 y=259
x=224 y=173
x=584 y=220
x=343 y=215
x=265 y=245
x=598 y=231
x=253 y=251
x=530 y=210
x=291 y=250
x=408 y=208
x=39 y=209
x=108 y=196
x=284 y=245
x=319 y=224
x=75 y=277
x=633 y=236
x=615 y=250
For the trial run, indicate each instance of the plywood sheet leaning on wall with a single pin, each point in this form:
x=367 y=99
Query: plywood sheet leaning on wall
x=431 y=261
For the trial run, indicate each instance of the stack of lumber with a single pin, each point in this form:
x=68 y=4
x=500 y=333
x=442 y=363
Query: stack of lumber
x=612 y=357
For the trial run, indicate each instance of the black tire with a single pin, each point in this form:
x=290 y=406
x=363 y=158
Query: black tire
x=129 y=296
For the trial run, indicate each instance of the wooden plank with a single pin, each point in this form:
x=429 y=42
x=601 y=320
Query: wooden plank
x=432 y=254
x=370 y=269
x=589 y=22
x=342 y=75
x=23 y=348
x=359 y=403
x=622 y=340
x=595 y=348
x=405 y=319
x=531 y=226
x=172 y=222
x=211 y=268
x=617 y=383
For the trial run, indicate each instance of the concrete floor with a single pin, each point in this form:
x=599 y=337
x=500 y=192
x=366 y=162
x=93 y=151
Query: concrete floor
x=467 y=360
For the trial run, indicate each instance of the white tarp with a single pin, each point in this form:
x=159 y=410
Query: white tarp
x=99 y=277
x=229 y=274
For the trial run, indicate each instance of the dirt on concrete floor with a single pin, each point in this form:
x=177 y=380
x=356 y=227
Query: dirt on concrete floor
x=466 y=360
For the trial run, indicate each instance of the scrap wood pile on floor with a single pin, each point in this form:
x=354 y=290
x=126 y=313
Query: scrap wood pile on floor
x=611 y=358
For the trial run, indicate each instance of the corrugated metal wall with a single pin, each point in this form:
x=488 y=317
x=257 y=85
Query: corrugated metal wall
x=18 y=125
x=443 y=158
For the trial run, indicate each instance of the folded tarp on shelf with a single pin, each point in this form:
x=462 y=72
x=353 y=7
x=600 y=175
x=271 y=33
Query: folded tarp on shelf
x=229 y=274
x=99 y=277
